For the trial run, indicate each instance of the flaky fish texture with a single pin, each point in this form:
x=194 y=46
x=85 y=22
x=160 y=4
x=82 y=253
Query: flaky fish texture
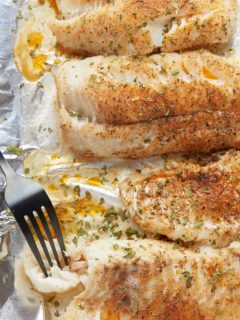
x=123 y=107
x=72 y=8
x=140 y=27
x=200 y=204
x=154 y=280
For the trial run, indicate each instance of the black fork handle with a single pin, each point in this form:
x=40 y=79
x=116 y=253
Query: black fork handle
x=7 y=170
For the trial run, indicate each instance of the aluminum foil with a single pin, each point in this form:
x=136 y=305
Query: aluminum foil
x=18 y=128
x=10 y=114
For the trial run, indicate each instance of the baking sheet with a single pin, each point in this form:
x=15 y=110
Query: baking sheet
x=18 y=127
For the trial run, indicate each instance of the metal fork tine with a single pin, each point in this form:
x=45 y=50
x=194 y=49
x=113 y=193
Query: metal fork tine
x=32 y=244
x=57 y=229
x=48 y=232
x=40 y=237
x=23 y=195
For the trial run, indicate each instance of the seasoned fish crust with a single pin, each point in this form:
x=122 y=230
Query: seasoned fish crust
x=139 y=27
x=122 y=107
x=200 y=205
x=201 y=132
x=154 y=280
x=124 y=90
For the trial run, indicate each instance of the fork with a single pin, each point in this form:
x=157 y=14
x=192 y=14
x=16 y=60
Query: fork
x=28 y=202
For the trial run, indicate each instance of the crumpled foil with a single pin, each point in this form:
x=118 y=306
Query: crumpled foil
x=18 y=127
x=10 y=107
x=10 y=114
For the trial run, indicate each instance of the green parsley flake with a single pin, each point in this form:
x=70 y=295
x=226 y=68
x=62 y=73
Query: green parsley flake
x=14 y=150
x=187 y=275
x=130 y=254
x=26 y=171
x=188 y=192
x=40 y=85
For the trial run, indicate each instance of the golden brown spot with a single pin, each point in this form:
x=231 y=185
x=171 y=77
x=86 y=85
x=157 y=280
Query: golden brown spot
x=39 y=62
x=94 y=181
x=34 y=39
x=208 y=74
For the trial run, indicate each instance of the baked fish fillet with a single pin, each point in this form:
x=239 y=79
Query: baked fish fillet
x=200 y=205
x=122 y=107
x=124 y=90
x=201 y=132
x=139 y=27
x=154 y=280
